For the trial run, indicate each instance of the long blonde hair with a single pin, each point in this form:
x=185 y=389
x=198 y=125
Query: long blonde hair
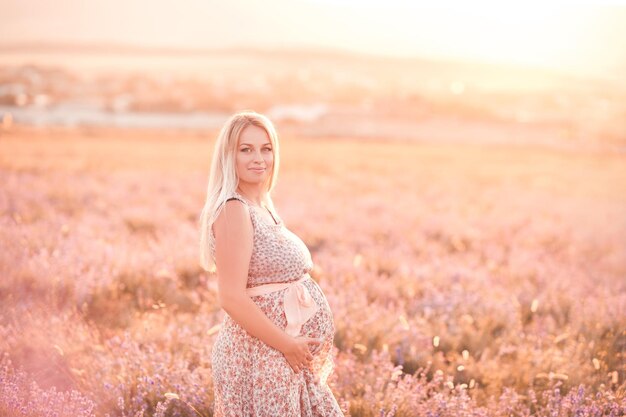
x=223 y=179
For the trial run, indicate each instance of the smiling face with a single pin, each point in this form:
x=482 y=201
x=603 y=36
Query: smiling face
x=255 y=156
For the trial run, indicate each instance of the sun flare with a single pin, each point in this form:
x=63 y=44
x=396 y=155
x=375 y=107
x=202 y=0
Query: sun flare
x=571 y=36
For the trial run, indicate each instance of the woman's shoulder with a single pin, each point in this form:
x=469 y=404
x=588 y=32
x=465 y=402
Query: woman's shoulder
x=234 y=209
x=234 y=195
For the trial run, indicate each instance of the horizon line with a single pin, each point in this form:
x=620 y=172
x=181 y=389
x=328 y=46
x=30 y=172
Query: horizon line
x=105 y=47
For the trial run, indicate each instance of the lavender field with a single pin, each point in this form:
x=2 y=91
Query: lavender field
x=464 y=279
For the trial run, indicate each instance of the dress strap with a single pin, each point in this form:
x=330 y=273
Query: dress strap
x=236 y=196
x=276 y=220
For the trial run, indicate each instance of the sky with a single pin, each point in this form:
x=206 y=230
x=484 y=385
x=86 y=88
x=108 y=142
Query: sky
x=586 y=37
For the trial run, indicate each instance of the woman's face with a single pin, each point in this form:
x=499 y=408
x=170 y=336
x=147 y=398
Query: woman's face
x=255 y=157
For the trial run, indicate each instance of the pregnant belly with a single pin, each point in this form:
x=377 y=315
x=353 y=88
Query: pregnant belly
x=320 y=325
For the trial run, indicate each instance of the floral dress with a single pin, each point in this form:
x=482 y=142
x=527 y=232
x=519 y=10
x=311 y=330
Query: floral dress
x=251 y=378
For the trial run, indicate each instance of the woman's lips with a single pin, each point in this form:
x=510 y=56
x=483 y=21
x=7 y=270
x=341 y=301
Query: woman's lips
x=257 y=169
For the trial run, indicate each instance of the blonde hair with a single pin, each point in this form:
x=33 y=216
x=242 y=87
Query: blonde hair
x=223 y=179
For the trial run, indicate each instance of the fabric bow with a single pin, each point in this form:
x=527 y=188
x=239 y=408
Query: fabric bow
x=299 y=307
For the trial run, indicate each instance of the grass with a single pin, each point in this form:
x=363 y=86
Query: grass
x=462 y=278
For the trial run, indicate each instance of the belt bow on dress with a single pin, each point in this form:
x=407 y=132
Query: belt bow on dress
x=299 y=305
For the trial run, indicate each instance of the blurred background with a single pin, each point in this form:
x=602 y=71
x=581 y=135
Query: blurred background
x=532 y=73
x=456 y=169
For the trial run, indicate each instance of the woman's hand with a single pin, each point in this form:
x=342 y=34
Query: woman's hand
x=297 y=351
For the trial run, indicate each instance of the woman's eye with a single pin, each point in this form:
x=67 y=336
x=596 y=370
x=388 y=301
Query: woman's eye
x=247 y=149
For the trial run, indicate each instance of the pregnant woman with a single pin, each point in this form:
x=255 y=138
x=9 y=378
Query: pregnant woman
x=273 y=353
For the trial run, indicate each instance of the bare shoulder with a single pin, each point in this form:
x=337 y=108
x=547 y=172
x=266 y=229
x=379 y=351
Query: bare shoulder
x=234 y=216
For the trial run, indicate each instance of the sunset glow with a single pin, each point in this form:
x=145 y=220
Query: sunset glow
x=454 y=172
x=568 y=36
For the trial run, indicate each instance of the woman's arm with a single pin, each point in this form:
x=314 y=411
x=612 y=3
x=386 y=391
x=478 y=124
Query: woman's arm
x=234 y=234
